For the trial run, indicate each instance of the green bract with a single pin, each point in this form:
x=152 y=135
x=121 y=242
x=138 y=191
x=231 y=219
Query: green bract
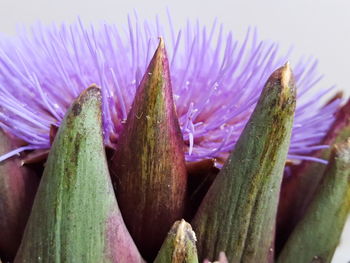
x=76 y=218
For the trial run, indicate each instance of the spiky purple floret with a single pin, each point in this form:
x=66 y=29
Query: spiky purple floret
x=216 y=83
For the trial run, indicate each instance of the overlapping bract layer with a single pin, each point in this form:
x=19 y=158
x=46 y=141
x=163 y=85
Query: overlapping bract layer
x=216 y=83
x=237 y=215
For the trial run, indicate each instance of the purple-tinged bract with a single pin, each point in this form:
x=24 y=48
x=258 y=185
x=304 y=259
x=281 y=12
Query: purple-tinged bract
x=216 y=82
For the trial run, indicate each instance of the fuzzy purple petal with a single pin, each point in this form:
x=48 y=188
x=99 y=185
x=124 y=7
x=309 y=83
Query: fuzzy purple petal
x=216 y=79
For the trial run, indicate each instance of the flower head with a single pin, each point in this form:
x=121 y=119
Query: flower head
x=216 y=82
x=206 y=95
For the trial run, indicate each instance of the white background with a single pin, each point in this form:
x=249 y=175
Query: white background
x=320 y=28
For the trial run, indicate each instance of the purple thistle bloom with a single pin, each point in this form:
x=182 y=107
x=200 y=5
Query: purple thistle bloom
x=216 y=83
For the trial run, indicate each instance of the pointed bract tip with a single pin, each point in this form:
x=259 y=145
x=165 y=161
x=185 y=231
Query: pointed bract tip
x=93 y=91
x=184 y=230
x=284 y=78
x=179 y=245
x=161 y=42
x=93 y=88
x=161 y=51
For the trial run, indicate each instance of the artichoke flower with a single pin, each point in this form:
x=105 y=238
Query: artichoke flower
x=217 y=150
